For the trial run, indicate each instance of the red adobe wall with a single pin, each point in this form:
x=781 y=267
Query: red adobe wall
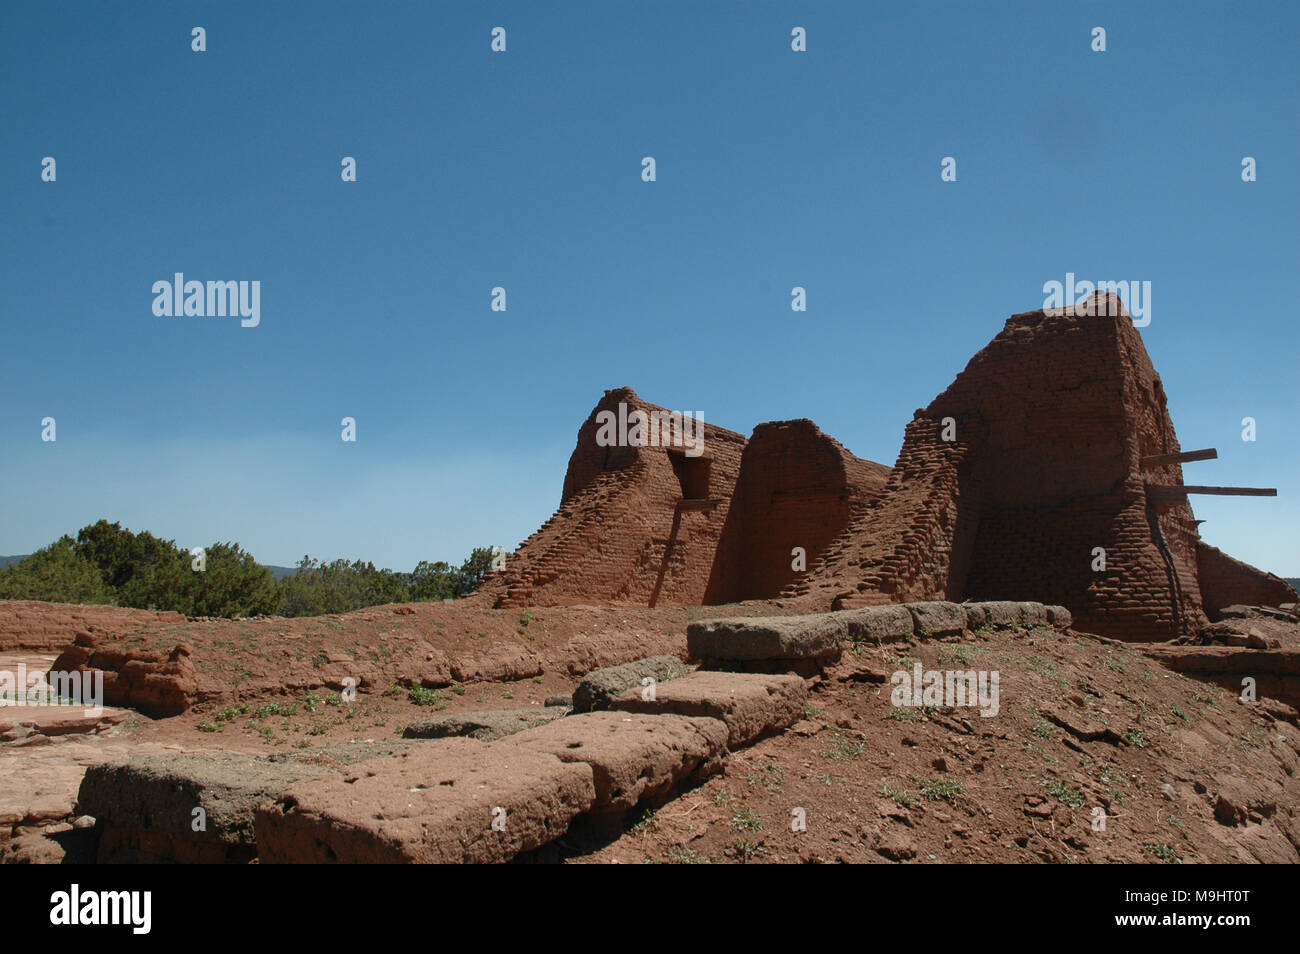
x=1225 y=582
x=797 y=487
x=621 y=534
x=1053 y=417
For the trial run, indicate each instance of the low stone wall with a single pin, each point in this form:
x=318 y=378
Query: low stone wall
x=797 y=641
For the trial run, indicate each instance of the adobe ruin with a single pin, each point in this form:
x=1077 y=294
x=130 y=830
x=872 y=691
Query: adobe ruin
x=1048 y=470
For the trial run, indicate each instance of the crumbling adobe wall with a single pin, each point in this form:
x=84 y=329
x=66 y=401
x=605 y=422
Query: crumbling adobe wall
x=797 y=487
x=623 y=532
x=1225 y=582
x=1026 y=479
x=900 y=548
x=1052 y=419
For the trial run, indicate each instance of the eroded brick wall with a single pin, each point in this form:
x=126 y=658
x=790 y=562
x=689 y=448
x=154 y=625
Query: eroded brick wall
x=1225 y=581
x=1052 y=420
x=901 y=546
x=797 y=487
x=622 y=533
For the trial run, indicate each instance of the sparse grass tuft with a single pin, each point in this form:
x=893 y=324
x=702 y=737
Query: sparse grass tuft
x=904 y=799
x=843 y=750
x=941 y=789
x=769 y=777
x=1071 y=797
x=1164 y=853
x=422 y=696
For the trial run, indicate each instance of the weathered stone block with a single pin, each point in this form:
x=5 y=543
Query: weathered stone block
x=1059 y=617
x=937 y=618
x=814 y=636
x=433 y=805
x=598 y=687
x=632 y=757
x=878 y=623
x=750 y=706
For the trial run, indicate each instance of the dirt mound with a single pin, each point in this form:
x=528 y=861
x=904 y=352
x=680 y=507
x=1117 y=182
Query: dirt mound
x=51 y=627
x=1087 y=734
x=161 y=667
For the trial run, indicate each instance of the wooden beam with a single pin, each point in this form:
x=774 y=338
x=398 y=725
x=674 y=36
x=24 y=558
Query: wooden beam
x=1164 y=490
x=1164 y=460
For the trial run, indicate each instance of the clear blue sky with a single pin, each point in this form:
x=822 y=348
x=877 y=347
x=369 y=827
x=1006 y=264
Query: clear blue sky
x=522 y=170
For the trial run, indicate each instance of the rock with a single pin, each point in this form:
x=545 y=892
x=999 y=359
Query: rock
x=560 y=700
x=1257 y=640
x=484 y=726
x=762 y=638
x=937 y=618
x=1279 y=711
x=48 y=808
x=157 y=794
x=977 y=617
x=1239 y=801
x=896 y=845
x=878 y=623
x=1059 y=617
x=436 y=804
x=632 y=757
x=751 y=706
x=1228 y=812
x=137 y=679
x=69 y=846
x=1004 y=614
x=597 y=688
x=503 y=662
x=854 y=668
x=1082 y=728
x=1033 y=614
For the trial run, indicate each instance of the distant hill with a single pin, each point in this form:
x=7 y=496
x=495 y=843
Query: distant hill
x=1293 y=580
x=280 y=572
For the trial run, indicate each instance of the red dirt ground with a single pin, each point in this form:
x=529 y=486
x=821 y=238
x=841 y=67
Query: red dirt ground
x=945 y=786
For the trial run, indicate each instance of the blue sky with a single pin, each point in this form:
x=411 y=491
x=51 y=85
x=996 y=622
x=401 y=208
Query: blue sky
x=522 y=169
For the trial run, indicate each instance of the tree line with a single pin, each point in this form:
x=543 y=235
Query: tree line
x=108 y=564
